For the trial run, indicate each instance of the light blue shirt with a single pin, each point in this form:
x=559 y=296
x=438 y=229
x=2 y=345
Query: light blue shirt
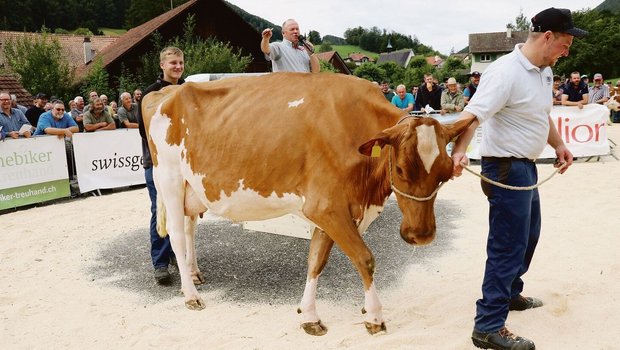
x=286 y=58
x=14 y=121
x=396 y=101
x=47 y=120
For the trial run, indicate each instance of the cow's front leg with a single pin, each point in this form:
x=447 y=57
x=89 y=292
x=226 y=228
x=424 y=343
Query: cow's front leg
x=354 y=247
x=373 y=311
x=320 y=247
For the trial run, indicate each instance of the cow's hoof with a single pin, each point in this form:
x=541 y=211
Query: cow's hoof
x=373 y=328
x=314 y=328
x=195 y=304
x=198 y=278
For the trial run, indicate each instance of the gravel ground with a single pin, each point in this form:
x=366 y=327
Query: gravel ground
x=255 y=267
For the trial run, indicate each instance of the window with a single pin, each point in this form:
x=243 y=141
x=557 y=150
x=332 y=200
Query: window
x=485 y=58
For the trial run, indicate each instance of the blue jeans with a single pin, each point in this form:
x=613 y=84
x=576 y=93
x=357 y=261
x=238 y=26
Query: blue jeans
x=514 y=229
x=161 y=250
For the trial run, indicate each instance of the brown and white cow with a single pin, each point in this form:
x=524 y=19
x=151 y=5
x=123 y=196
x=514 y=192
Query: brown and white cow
x=254 y=148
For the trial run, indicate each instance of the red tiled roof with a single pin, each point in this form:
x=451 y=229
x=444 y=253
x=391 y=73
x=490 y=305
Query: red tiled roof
x=133 y=37
x=72 y=45
x=12 y=86
x=357 y=57
x=433 y=60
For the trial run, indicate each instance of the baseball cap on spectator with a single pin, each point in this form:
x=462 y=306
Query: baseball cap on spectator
x=598 y=76
x=556 y=20
x=584 y=76
x=41 y=95
x=475 y=73
x=451 y=81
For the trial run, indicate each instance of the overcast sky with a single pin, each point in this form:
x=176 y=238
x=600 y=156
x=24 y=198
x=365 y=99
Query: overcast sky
x=442 y=24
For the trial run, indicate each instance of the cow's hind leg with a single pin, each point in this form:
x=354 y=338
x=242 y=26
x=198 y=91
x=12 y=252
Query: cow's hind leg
x=320 y=247
x=190 y=249
x=171 y=188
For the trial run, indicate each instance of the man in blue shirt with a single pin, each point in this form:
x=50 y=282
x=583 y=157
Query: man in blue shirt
x=576 y=92
x=56 y=122
x=403 y=99
x=12 y=119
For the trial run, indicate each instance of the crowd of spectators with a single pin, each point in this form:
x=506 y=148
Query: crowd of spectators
x=87 y=117
x=451 y=97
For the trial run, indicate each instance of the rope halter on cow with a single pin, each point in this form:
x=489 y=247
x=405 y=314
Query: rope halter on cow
x=406 y=195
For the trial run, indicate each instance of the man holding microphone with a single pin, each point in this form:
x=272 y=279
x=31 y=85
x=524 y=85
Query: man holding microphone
x=290 y=54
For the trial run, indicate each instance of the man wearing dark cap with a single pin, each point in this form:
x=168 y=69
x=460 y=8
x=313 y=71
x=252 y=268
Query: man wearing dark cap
x=512 y=105
x=36 y=110
x=470 y=90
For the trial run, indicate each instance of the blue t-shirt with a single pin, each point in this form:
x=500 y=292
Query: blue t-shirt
x=396 y=101
x=12 y=122
x=46 y=120
x=575 y=94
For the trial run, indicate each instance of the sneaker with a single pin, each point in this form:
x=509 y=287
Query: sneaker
x=501 y=340
x=162 y=276
x=521 y=303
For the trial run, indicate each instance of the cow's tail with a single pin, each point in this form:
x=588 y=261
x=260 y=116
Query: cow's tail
x=161 y=218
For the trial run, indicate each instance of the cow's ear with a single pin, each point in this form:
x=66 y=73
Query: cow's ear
x=380 y=140
x=459 y=127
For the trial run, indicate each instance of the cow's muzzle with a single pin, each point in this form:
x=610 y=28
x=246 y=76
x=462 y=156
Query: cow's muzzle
x=417 y=236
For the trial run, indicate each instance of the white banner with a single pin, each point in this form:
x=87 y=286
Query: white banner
x=108 y=159
x=32 y=170
x=584 y=131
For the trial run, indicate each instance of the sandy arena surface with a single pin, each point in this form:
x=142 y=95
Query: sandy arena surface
x=77 y=275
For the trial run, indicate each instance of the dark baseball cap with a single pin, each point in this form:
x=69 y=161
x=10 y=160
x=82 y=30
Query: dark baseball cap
x=556 y=20
x=41 y=95
x=475 y=74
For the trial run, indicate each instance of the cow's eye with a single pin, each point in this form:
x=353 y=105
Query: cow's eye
x=399 y=171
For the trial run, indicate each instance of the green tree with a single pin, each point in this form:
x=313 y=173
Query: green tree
x=451 y=67
x=596 y=53
x=326 y=46
x=394 y=72
x=97 y=80
x=370 y=71
x=521 y=24
x=352 y=35
x=40 y=65
x=141 y=11
x=210 y=55
x=314 y=37
x=327 y=67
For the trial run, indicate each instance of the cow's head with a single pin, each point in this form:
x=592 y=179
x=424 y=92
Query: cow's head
x=614 y=103
x=419 y=164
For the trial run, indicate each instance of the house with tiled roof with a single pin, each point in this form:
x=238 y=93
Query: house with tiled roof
x=486 y=48
x=358 y=58
x=11 y=85
x=78 y=49
x=214 y=18
x=435 y=61
x=334 y=58
x=401 y=57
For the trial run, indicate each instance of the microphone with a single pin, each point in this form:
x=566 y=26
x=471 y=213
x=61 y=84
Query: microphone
x=302 y=40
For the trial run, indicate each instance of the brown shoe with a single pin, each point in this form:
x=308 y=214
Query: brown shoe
x=501 y=340
x=521 y=303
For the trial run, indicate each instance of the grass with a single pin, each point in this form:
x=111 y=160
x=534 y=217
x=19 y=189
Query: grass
x=113 y=31
x=345 y=50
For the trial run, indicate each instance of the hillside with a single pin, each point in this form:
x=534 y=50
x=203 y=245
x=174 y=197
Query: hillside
x=612 y=6
x=257 y=22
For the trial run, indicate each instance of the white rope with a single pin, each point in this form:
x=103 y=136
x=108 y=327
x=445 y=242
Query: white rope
x=515 y=188
x=406 y=195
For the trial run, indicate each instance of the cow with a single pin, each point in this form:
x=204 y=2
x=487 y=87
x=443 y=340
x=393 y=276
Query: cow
x=326 y=147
